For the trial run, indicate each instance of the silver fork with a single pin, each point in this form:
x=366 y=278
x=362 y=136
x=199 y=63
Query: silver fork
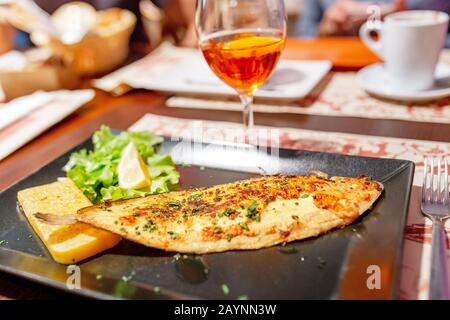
x=435 y=205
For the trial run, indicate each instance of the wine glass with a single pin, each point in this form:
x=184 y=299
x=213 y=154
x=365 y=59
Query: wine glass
x=242 y=41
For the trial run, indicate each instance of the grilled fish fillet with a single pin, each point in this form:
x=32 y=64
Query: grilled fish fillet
x=249 y=214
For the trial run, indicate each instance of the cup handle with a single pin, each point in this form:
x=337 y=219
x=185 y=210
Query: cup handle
x=365 y=35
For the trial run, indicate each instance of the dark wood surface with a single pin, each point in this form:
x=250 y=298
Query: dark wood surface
x=121 y=112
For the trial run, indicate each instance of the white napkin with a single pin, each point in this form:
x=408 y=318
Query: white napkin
x=13 y=61
x=184 y=71
x=23 y=119
x=17 y=108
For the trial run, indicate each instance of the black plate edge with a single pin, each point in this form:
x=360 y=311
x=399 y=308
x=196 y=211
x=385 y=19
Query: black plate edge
x=396 y=278
x=407 y=201
x=96 y=291
x=48 y=282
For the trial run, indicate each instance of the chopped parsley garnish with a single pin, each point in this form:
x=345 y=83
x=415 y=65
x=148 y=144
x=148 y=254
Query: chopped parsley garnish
x=244 y=226
x=129 y=277
x=226 y=213
x=256 y=217
x=173 y=235
x=196 y=197
x=175 y=205
x=305 y=196
x=253 y=207
x=225 y=289
x=229 y=238
x=150 y=226
x=217 y=230
x=252 y=212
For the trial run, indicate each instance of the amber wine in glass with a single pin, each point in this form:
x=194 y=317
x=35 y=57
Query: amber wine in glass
x=245 y=44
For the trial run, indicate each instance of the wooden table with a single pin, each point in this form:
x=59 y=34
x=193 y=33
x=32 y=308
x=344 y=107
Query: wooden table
x=121 y=112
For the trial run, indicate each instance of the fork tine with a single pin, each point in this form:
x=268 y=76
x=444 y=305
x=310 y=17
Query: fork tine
x=446 y=182
x=439 y=180
x=425 y=180
x=432 y=180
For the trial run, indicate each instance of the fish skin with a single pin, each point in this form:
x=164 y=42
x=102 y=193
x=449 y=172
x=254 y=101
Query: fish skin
x=56 y=220
x=244 y=215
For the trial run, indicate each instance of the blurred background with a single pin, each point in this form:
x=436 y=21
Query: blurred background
x=92 y=29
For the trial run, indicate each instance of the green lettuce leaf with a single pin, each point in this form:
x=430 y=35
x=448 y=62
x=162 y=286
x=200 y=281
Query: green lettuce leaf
x=95 y=172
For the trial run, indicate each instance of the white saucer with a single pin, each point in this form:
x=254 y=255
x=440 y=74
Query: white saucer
x=375 y=80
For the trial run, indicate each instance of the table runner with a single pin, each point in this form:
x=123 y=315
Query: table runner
x=416 y=260
x=339 y=95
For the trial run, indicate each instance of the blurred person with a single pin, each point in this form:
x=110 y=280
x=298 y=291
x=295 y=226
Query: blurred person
x=344 y=17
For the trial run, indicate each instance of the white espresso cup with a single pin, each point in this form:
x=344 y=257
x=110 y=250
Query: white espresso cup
x=410 y=43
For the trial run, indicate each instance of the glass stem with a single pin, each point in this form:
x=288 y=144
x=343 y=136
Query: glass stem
x=247 y=104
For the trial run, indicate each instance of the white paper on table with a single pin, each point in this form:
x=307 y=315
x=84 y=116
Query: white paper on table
x=58 y=105
x=13 y=61
x=184 y=70
x=17 y=108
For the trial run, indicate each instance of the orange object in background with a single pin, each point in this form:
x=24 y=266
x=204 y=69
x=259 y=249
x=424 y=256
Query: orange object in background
x=7 y=34
x=343 y=52
x=244 y=61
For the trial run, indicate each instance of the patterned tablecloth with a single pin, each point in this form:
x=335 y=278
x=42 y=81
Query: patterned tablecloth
x=414 y=282
x=339 y=95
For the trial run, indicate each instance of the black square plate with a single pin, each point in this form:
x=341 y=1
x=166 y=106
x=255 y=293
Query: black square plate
x=334 y=266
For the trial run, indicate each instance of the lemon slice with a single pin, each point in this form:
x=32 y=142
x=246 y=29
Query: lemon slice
x=133 y=173
x=251 y=42
x=249 y=46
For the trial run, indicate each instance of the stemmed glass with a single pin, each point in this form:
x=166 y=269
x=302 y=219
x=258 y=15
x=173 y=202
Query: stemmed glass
x=242 y=41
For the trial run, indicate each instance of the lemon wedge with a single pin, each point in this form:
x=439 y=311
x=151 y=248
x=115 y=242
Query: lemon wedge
x=245 y=47
x=133 y=173
x=251 y=42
